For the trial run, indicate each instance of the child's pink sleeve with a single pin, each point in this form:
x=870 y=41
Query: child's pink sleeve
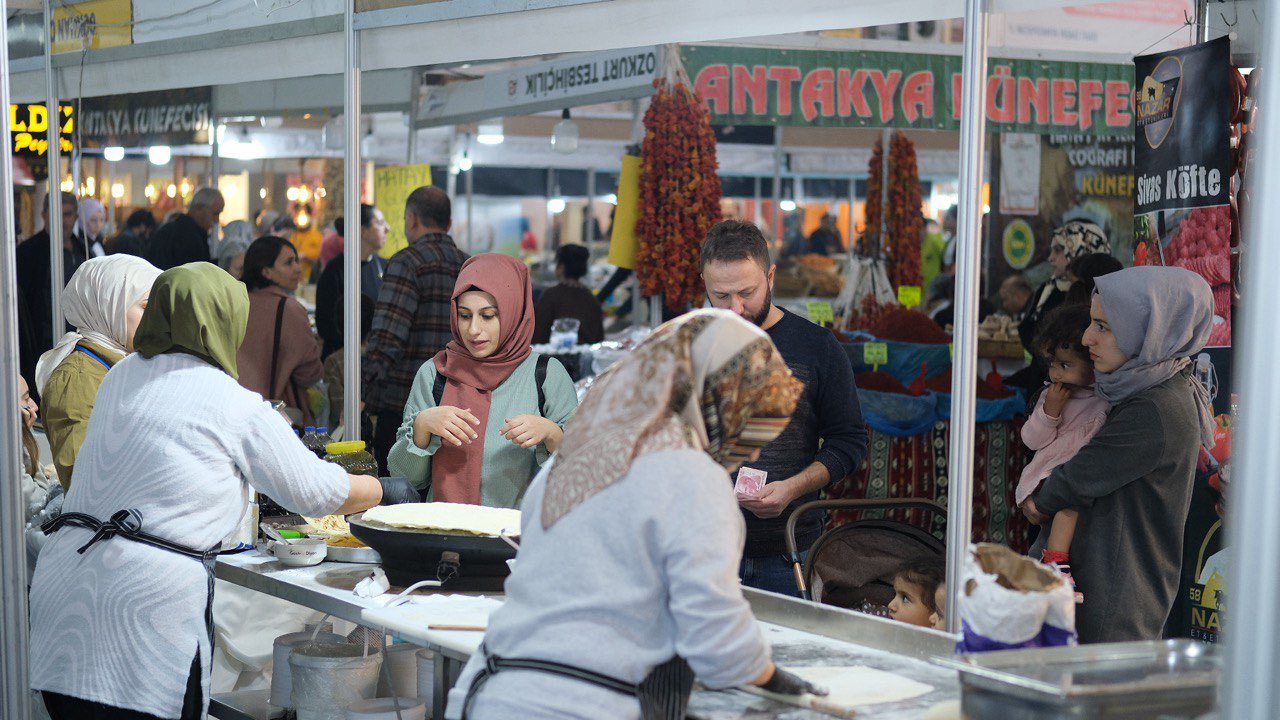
x=1040 y=429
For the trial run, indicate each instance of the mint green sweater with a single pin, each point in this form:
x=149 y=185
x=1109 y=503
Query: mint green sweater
x=508 y=469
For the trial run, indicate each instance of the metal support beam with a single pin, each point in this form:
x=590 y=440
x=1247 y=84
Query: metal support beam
x=964 y=377
x=54 y=154
x=15 y=694
x=1249 y=690
x=778 y=226
x=351 y=243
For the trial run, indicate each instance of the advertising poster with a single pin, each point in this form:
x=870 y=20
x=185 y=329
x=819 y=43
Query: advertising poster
x=1183 y=214
x=391 y=187
x=1079 y=177
x=164 y=117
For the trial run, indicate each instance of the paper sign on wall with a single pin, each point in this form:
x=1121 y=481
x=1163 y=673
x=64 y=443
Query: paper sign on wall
x=391 y=187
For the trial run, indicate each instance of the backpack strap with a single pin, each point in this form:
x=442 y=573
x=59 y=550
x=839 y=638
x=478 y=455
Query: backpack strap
x=437 y=391
x=540 y=378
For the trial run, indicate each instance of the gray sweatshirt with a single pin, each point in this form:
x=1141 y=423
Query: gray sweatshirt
x=644 y=570
x=1132 y=485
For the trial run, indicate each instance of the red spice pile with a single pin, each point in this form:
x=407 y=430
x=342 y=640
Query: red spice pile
x=909 y=326
x=942 y=384
x=880 y=382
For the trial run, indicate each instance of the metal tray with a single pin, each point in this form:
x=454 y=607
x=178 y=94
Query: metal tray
x=353 y=555
x=1157 y=676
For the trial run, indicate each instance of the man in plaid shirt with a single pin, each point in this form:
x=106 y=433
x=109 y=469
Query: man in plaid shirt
x=412 y=320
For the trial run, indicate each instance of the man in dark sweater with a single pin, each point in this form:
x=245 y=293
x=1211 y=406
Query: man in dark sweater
x=570 y=299
x=35 y=317
x=185 y=239
x=826 y=439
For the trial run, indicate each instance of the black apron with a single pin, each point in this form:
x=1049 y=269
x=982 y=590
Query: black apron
x=128 y=525
x=663 y=694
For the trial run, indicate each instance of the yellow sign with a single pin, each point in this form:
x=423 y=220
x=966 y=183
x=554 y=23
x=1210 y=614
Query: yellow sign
x=29 y=127
x=908 y=295
x=821 y=312
x=623 y=244
x=91 y=25
x=391 y=187
x=875 y=354
x=1019 y=244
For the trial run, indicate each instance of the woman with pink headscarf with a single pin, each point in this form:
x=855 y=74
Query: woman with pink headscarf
x=486 y=412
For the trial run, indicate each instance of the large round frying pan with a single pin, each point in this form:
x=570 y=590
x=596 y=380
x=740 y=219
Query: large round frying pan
x=458 y=561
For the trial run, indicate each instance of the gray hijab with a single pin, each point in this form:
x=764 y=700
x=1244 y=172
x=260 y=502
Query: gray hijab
x=1160 y=316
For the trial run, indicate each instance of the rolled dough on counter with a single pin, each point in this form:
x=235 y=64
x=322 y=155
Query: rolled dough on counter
x=857 y=685
x=451 y=518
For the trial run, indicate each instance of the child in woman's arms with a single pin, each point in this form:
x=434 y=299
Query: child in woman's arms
x=1066 y=417
x=915 y=589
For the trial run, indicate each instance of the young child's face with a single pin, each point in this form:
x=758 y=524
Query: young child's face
x=1069 y=368
x=938 y=619
x=908 y=604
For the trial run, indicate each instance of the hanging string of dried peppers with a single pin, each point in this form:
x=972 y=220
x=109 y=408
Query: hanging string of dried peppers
x=679 y=195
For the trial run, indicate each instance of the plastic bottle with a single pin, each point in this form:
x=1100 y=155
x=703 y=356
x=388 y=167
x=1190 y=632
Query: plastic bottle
x=322 y=434
x=311 y=439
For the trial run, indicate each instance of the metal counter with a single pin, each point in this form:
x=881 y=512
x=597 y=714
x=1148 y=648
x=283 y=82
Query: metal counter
x=801 y=633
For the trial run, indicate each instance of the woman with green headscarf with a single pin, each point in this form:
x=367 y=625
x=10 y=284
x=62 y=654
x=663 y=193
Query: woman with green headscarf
x=122 y=594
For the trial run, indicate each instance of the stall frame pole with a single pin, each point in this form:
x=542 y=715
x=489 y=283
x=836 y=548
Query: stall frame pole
x=351 y=243
x=15 y=694
x=779 y=227
x=964 y=378
x=1249 y=690
x=54 y=153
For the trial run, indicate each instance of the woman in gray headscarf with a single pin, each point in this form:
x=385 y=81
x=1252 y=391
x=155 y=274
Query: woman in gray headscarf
x=236 y=238
x=1132 y=482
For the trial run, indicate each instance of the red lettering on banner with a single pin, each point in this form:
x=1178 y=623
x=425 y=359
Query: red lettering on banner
x=1001 y=88
x=917 y=96
x=957 y=89
x=784 y=76
x=751 y=83
x=1033 y=94
x=1064 y=101
x=885 y=87
x=712 y=84
x=819 y=88
x=1118 y=98
x=1090 y=100
x=849 y=93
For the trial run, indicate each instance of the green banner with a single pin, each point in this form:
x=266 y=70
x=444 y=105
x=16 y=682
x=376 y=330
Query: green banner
x=761 y=86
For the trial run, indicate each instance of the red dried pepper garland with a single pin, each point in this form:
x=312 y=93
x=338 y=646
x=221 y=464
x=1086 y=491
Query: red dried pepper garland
x=679 y=195
x=902 y=246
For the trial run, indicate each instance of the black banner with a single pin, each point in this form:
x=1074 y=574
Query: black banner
x=167 y=117
x=1182 y=127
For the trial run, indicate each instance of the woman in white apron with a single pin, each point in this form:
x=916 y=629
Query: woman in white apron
x=122 y=594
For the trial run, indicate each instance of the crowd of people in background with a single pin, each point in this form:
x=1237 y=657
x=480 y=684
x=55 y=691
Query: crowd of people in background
x=460 y=406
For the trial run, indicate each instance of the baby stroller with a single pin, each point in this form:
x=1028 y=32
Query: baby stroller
x=852 y=565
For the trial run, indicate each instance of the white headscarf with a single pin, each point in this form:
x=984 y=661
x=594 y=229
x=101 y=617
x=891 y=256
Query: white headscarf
x=96 y=303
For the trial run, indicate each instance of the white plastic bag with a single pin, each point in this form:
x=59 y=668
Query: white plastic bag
x=1011 y=601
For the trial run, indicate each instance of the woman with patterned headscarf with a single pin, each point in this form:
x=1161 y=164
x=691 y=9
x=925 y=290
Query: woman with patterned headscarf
x=174 y=448
x=631 y=537
x=1073 y=240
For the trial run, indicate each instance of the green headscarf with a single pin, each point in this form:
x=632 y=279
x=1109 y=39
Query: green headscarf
x=196 y=309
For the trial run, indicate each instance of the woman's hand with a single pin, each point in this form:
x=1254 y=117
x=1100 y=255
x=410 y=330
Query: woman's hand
x=532 y=430
x=1033 y=514
x=779 y=681
x=1055 y=399
x=452 y=425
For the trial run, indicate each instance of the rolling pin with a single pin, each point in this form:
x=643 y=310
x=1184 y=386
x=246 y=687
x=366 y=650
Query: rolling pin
x=815 y=703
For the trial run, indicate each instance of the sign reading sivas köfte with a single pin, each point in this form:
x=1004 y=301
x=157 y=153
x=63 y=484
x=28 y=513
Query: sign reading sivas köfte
x=1182 y=128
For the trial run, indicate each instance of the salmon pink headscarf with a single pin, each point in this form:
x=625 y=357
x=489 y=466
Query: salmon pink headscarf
x=470 y=380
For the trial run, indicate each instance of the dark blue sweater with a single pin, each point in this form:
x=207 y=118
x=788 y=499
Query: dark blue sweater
x=827 y=427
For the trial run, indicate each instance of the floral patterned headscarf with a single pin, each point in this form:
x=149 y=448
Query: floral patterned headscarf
x=707 y=380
